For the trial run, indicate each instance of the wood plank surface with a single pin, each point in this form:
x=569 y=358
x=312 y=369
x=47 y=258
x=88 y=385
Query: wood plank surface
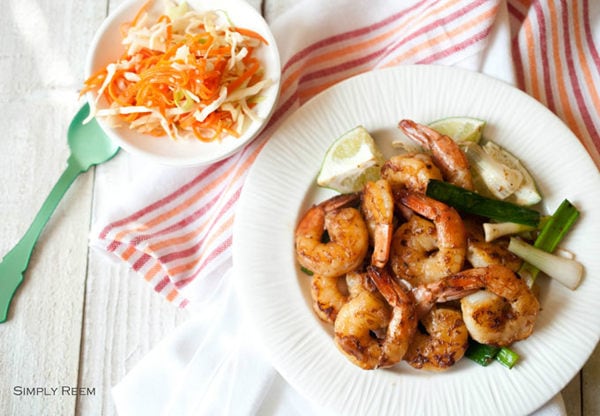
x=80 y=320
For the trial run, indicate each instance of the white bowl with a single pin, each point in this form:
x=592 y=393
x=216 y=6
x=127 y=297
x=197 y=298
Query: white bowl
x=106 y=48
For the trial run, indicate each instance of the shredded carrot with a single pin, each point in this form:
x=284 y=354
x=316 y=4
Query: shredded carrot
x=178 y=81
x=252 y=34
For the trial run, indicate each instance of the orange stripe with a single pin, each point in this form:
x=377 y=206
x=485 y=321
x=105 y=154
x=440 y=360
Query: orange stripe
x=220 y=231
x=141 y=226
x=583 y=58
x=177 y=240
x=430 y=43
x=359 y=47
x=236 y=174
x=185 y=267
x=125 y=255
x=152 y=272
x=191 y=264
x=172 y=295
x=530 y=47
x=310 y=92
x=565 y=102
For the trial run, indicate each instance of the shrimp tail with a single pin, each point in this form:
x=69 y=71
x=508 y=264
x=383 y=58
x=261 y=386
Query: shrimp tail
x=340 y=201
x=445 y=152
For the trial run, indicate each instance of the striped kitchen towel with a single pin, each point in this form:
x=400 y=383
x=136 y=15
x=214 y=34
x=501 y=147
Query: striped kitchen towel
x=176 y=230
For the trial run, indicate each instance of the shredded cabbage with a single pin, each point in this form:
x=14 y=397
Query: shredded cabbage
x=183 y=73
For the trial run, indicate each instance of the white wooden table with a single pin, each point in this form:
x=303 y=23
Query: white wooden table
x=80 y=320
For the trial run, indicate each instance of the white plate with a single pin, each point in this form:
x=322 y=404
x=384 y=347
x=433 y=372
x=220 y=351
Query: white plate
x=276 y=294
x=106 y=48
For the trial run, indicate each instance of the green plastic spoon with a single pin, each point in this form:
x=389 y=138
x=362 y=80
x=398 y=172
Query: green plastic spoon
x=89 y=146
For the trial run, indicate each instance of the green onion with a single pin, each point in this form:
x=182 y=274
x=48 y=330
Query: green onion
x=496 y=230
x=567 y=271
x=484 y=354
x=473 y=203
x=480 y=353
x=507 y=357
x=557 y=226
x=306 y=271
x=552 y=233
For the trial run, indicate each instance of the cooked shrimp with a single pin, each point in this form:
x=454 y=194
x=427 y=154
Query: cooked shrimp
x=327 y=295
x=378 y=211
x=357 y=282
x=443 y=343
x=403 y=322
x=502 y=314
x=481 y=253
x=367 y=315
x=410 y=171
x=445 y=152
x=360 y=319
x=423 y=251
x=348 y=237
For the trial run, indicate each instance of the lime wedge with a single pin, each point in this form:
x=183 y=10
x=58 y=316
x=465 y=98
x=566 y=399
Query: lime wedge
x=460 y=129
x=351 y=161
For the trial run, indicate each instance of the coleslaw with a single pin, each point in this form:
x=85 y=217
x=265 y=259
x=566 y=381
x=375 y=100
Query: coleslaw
x=184 y=73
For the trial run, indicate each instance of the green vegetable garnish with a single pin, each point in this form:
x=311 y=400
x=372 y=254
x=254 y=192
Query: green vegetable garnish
x=551 y=235
x=473 y=203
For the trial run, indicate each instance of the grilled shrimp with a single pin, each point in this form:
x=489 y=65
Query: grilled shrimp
x=368 y=314
x=378 y=211
x=443 y=343
x=403 y=322
x=348 y=237
x=327 y=296
x=424 y=251
x=503 y=313
x=363 y=316
x=410 y=171
x=444 y=151
x=481 y=253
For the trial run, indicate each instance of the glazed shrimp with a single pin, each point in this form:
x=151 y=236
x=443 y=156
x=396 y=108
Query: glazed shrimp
x=348 y=237
x=378 y=210
x=443 y=343
x=503 y=313
x=424 y=251
x=368 y=314
x=445 y=152
x=410 y=171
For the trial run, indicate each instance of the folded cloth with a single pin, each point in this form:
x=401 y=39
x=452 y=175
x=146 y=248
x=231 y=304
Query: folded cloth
x=174 y=226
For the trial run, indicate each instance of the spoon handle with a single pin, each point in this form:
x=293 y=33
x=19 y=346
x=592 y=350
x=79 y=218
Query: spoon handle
x=15 y=262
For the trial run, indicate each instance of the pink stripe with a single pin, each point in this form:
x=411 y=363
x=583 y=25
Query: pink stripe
x=515 y=12
x=140 y=262
x=542 y=43
x=192 y=250
x=516 y=53
x=348 y=35
x=388 y=49
x=220 y=249
x=179 y=224
x=162 y=284
x=589 y=37
x=587 y=118
x=161 y=202
x=113 y=245
x=458 y=47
